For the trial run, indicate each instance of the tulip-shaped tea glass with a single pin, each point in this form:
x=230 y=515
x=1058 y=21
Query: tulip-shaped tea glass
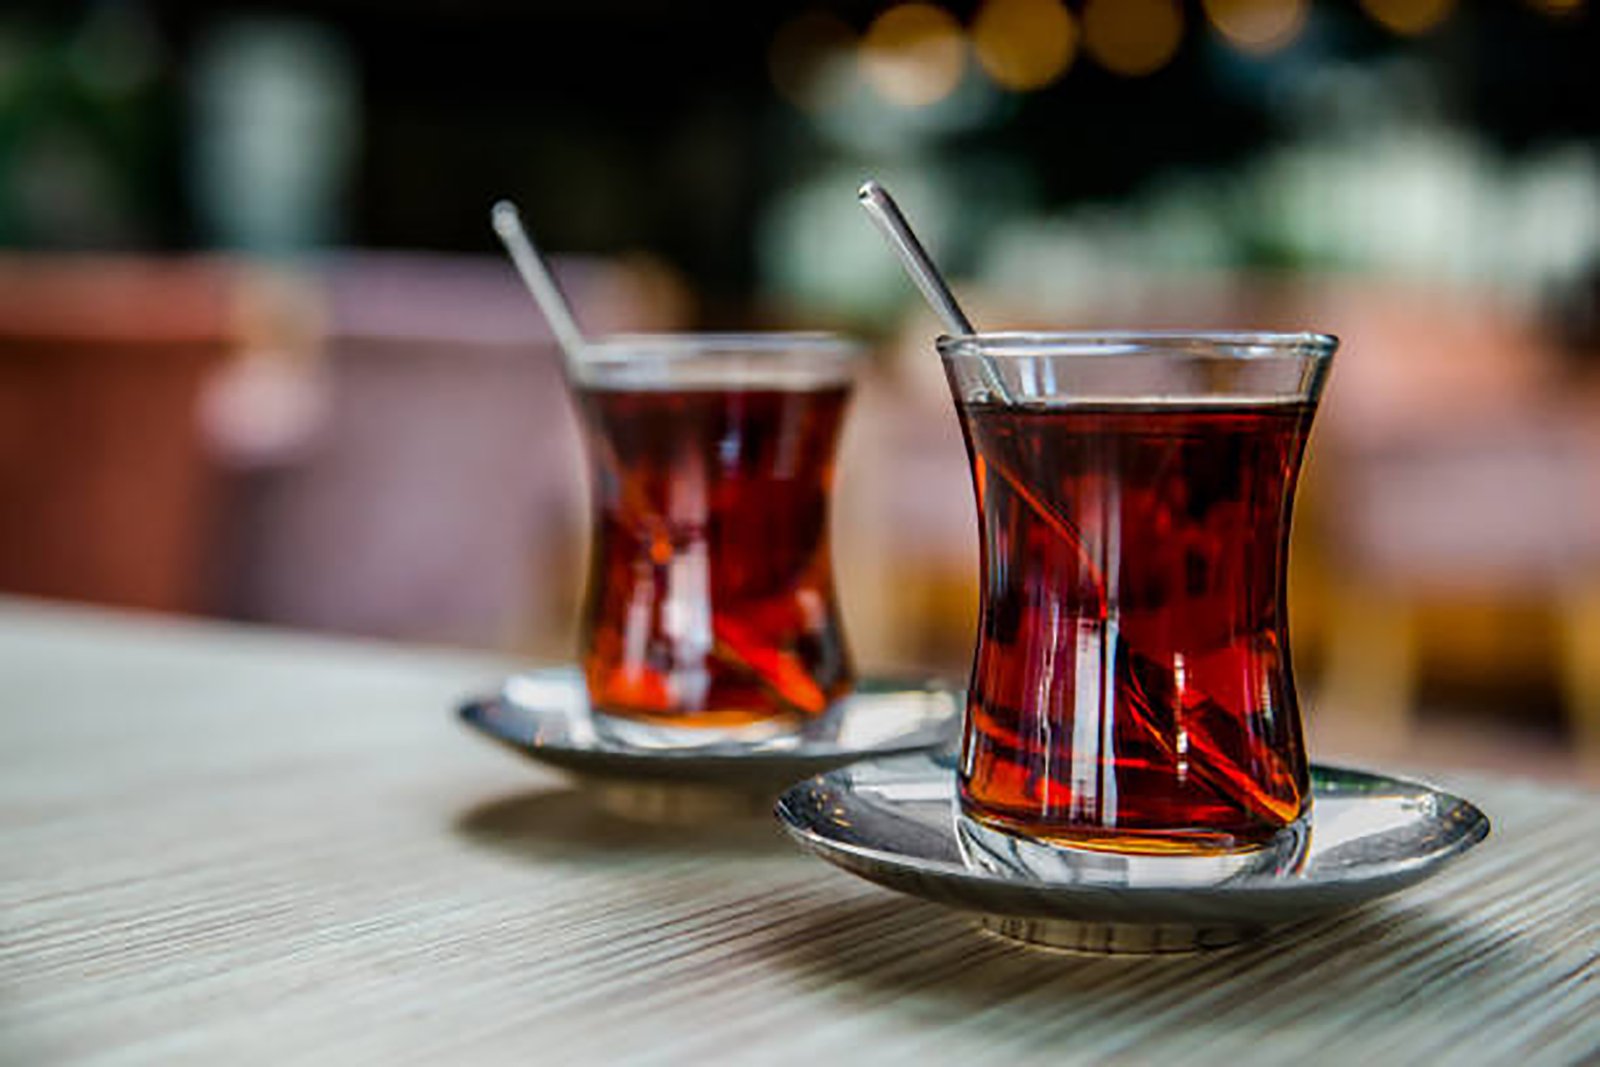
x=710 y=604
x=1131 y=688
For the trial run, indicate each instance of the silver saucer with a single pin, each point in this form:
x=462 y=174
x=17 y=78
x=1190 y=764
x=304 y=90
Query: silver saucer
x=684 y=776
x=896 y=822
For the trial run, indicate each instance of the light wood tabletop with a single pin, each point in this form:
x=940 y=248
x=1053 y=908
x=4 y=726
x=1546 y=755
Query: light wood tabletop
x=221 y=845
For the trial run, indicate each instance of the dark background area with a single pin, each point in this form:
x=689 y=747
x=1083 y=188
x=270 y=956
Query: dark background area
x=655 y=125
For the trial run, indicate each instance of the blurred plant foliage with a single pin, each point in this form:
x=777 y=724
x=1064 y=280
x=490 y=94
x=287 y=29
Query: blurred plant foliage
x=85 y=128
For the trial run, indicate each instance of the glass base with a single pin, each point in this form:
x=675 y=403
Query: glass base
x=678 y=734
x=1001 y=852
x=1190 y=841
x=1105 y=938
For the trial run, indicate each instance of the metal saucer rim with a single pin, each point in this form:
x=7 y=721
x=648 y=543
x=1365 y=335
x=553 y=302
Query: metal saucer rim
x=1017 y=897
x=754 y=767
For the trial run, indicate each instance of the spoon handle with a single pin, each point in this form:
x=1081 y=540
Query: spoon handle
x=888 y=217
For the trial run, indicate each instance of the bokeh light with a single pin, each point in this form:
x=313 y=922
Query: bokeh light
x=1132 y=37
x=914 y=54
x=1024 y=44
x=1558 y=8
x=1409 y=17
x=1258 y=26
x=806 y=59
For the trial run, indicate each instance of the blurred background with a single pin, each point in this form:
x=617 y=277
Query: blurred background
x=259 y=359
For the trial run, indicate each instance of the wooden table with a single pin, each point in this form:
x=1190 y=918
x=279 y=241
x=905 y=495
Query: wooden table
x=219 y=845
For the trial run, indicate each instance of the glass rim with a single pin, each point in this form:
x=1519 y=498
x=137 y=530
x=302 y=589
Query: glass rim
x=1205 y=344
x=779 y=344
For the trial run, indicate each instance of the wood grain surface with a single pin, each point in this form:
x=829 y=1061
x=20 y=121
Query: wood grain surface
x=220 y=845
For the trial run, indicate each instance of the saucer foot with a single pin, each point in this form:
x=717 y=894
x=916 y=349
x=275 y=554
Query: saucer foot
x=677 y=804
x=1108 y=939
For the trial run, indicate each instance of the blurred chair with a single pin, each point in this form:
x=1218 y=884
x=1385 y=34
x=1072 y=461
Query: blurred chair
x=437 y=495
x=109 y=494
x=1459 y=521
x=369 y=443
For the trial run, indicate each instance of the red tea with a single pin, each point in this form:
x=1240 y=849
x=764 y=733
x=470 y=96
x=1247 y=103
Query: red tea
x=711 y=582
x=1131 y=687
